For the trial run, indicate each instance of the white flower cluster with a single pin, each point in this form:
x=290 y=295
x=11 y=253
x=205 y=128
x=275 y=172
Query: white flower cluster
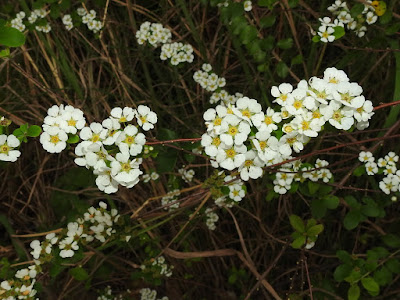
x=124 y=141
x=242 y=136
x=235 y=194
x=106 y=294
x=67 y=21
x=293 y=171
x=159 y=265
x=148 y=294
x=59 y=122
x=95 y=224
x=21 y=288
x=7 y=148
x=247 y=5
x=210 y=81
x=177 y=53
x=344 y=19
x=154 y=33
x=187 y=175
x=386 y=165
x=170 y=201
x=89 y=18
x=212 y=218
x=152 y=176
x=17 y=22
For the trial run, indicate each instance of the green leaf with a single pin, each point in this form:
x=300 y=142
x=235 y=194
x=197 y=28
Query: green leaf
x=65 y=4
x=282 y=69
x=297 y=223
x=285 y=44
x=360 y=170
x=293 y=3
x=5 y=52
x=79 y=273
x=298 y=59
x=383 y=276
x=34 y=131
x=352 y=219
x=312 y=187
x=342 y=271
x=316 y=38
x=352 y=202
x=11 y=37
x=344 y=256
x=356 y=10
x=393 y=265
x=73 y=138
x=315 y=230
x=18 y=132
x=354 y=276
x=370 y=284
x=387 y=17
x=318 y=208
x=268 y=3
x=268 y=21
x=339 y=32
x=331 y=201
x=248 y=34
x=54 y=11
x=391 y=240
x=392 y=29
x=353 y=293
x=299 y=242
x=267 y=43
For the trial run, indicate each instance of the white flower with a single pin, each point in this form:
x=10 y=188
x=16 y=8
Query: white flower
x=213 y=118
x=324 y=174
x=349 y=94
x=345 y=17
x=234 y=130
x=95 y=133
x=266 y=146
x=68 y=245
x=296 y=104
x=146 y=118
x=366 y=156
x=81 y=11
x=391 y=158
x=7 y=145
x=54 y=140
x=67 y=19
x=211 y=144
x=364 y=112
x=267 y=121
x=282 y=93
x=246 y=108
x=341 y=118
x=335 y=76
x=131 y=141
x=247 y=5
x=326 y=34
x=206 y=67
x=126 y=171
x=307 y=125
x=231 y=158
x=74 y=119
x=252 y=166
x=236 y=192
x=123 y=115
x=371 y=18
x=295 y=140
x=104 y=181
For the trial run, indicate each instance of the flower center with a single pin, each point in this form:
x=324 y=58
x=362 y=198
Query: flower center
x=325 y=34
x=95 y=138
x=143 y=119
x=305 y=125
x=288 y=129
x=126 y=167
x=298 y=104
x=268 y=120
x=216 y=141
x=217 y=121
x=337 y=116
x=4 y=149
x=283 y=97
x=230 y=153
x=129 y=140
x=333 y=80
x=248 y=163
x=71 y=122
x=285 y=114
x=359 y=110
x=122 y=119
x=263 y=144
x=54 y=139
x=316 y=114
x=233 y=130
x=346 y=97
x=246 y=113
x=291 y=141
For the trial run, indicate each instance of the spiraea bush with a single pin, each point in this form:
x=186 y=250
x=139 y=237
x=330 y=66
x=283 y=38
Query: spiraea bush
x=213 y=149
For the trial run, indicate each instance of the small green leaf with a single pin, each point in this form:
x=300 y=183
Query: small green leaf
x=73 y=138
x=360 y=170
x=285 y=44
x=344 y=256
x=11 y=37
x=268 y=21
x=341 y=272
x=312 y=187
x=352 y=219
x=315 y=230
x=370 y=284
x=34 y=131
x=392 y=29
x=267 y=43
x=293 y=3
x=268 y=3
x=353 y=293
x=316 y=38
x=79 y=273
x=298 y=59
x=5 y=52
x=339 y=32
x=248 y=34
x=54 y=11
x=18 y=132
x=356 y=10
x=297 y=223
x=331 y=201
x=383 y=276
x=391 y=240
x=282 y=69
x=299 y=242
x=318 y=208
x=393 y=265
